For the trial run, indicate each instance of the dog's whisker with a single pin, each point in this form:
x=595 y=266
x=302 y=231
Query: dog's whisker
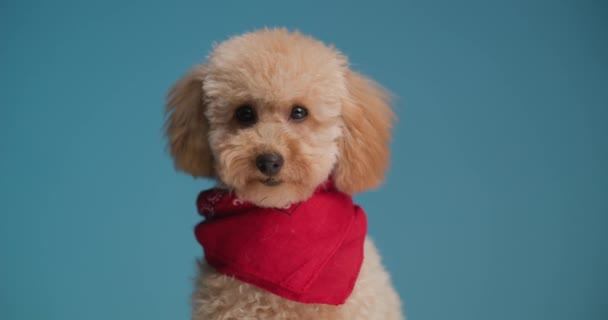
x=263 y=199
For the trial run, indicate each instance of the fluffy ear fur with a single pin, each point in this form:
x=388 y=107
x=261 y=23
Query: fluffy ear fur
x=187 y=127
x=364 y=151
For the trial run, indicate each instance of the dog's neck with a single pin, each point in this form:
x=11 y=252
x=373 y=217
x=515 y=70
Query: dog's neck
x=327 y=184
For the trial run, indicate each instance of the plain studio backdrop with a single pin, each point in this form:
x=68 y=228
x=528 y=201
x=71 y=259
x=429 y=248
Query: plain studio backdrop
x=495 y=207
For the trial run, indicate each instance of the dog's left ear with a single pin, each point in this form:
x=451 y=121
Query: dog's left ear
x=187 y=127
x=364 y=148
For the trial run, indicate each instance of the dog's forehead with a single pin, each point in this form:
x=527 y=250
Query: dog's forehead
x=275 y=65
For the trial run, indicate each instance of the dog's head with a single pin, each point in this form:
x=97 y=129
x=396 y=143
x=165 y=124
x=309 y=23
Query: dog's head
x=272 y=114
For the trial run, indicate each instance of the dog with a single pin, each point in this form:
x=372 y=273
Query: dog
x=279 y=119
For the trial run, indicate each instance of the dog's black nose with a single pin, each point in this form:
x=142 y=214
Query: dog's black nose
x=269 y=163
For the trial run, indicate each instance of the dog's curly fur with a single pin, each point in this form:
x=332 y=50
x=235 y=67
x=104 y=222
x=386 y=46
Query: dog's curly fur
x=345 y=135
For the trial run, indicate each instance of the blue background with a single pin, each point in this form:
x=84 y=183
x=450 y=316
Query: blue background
x=496 y=206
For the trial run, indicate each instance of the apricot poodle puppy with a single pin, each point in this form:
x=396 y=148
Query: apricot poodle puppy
x=289 y=132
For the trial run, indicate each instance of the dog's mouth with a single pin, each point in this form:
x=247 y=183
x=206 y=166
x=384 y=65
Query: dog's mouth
x=271 y=181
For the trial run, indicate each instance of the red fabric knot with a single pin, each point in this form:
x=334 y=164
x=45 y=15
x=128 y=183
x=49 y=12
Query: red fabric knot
x=310 y=252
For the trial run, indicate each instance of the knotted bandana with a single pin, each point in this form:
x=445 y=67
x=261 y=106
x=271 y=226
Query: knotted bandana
x=309 y=252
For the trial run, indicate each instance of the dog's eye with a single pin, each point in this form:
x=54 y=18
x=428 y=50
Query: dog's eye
x=298 y=113
x=245 y=115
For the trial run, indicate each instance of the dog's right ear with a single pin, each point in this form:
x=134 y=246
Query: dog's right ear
x=186 y=126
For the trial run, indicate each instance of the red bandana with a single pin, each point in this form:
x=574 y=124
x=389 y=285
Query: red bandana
x=309 y=252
